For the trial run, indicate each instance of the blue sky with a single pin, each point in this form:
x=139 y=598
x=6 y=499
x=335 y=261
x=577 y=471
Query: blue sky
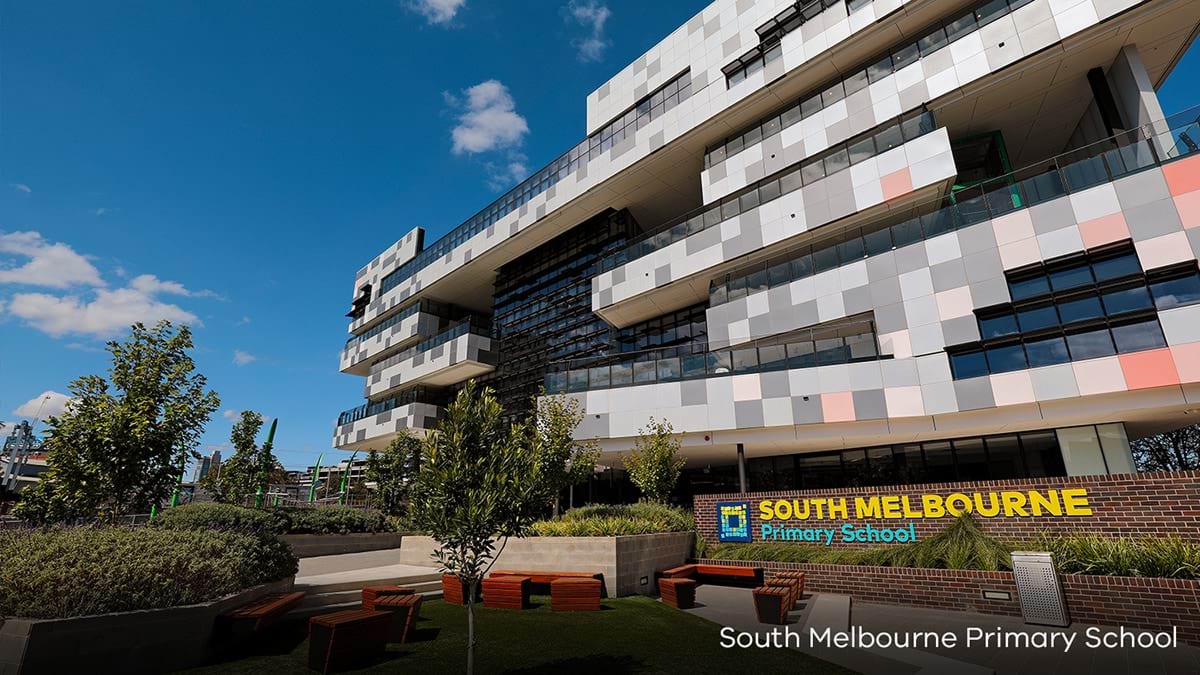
x=233 y=164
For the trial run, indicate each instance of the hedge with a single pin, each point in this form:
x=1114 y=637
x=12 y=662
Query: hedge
x=608 y=521
x=276 y=520
x=67 y=572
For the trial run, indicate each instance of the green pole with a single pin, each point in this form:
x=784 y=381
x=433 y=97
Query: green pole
x=175 y=493
x=258 y=495
x=312 y=487
x=346 y=479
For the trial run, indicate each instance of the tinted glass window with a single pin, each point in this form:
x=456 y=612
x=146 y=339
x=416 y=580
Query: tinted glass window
x=971 y=459
x=1005 y=324
x=1042 y=456
x=1004 y=458
x=968 y=364
x=1006 y=358
x=1037 y=318
x=1072 y=277
x=939 y=462
x=1047 y=352
x=1120 y=266
x=1090 y=345
x=1138 y=336
x=1080 y=309
x=1183 y=290
x=1127 y=300
x=1028 y=288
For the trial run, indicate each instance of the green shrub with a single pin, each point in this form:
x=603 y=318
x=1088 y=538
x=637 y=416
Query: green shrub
x=608 y=521
x=59 y=573
x=317 y=520
x=1083 y=553
x=337 y=520
x=223 y=517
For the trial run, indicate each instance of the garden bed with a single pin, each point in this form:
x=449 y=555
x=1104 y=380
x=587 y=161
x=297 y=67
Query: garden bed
x=149 y=640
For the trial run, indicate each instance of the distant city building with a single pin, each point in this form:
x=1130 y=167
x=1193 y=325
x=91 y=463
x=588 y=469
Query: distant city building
x=357 y=469
x=21 y=460
x=207 y=465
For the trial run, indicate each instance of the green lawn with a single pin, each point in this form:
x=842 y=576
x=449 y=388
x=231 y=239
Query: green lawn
x=630 y=635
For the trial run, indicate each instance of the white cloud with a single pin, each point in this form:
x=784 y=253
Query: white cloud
x=150 y=284
x=20 y=187
x=54 y=405
x=107 y=314
x=488 y=121
x=241 y=358
x=503 y=175
x=52 y=265
x=245 y=320
x=591 y=15
x=101 y=211
x=232 y=415
x=438 y=12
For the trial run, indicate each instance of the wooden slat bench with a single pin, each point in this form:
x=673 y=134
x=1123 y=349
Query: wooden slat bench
x=792 y=586
x=344 y=639
x=542 y=579
x=371 y=594
x=405 y=609
x=455 y=591
x=506 y=592
x=678 y=592
x=724 y=574
x=573 y=594
x=257 y=615
x=771 y=604
x=799 y=577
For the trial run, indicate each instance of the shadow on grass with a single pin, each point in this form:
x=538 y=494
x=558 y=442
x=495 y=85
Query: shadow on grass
x=596 y=663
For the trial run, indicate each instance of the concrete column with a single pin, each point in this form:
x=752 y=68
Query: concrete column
x=741 y=452
x=1136 y=98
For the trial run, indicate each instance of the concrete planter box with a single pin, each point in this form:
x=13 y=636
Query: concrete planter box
x=625 y=560
x=150 y=640
x=313 y=545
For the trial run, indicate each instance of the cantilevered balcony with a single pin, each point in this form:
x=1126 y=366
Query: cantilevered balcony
x=373 y=425
x=459 y=353
x=399 y=331
x=906 y=161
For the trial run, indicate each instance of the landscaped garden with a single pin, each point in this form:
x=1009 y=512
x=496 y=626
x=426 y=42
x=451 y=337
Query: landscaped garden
x=628 y=635
x=964 y=546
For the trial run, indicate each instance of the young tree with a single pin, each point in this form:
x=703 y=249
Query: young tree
x=654 y=463
x=1177 y=450
x=122 y=443
x=251 y=466
x=478 y=484
x=393 y=471
x=564 y=460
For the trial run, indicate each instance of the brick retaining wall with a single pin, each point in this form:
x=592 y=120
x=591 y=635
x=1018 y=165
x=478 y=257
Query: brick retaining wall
x=1145 y=504
x=1133 y=602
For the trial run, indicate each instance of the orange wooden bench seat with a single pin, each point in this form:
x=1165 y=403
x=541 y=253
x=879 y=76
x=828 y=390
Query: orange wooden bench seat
x=344 y=639
x=798 y=577
x=372 y=593
x=792 y=586
x=544 y=577
x=574 y=594
x=455 y=591
x=405 y=609
x=505 y=592
x=683 y=571
x=257 y=615
x=678 y=592
x=771 y=604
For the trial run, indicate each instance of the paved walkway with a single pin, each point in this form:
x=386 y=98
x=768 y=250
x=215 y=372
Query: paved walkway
x=734 y=607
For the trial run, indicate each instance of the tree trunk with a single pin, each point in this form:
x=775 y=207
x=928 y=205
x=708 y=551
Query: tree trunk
x=471 y=628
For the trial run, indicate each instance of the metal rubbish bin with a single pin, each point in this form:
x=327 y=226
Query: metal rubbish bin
x=1042 y=600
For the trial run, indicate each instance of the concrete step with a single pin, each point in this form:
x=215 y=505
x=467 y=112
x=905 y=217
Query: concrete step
x=354 y=595
x=355 y=579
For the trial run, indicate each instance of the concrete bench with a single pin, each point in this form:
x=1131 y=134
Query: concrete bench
x=342 y=640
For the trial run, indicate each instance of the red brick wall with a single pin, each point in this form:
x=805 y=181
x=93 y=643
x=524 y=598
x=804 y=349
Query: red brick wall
x=1146 y=603
x=1144 y=504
